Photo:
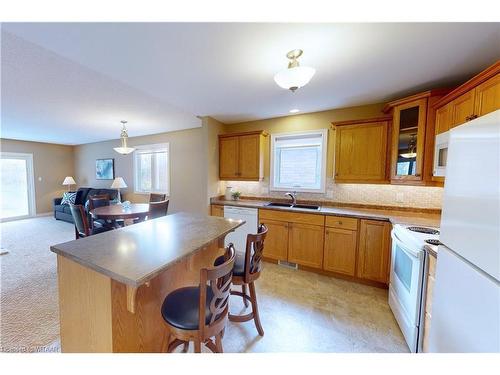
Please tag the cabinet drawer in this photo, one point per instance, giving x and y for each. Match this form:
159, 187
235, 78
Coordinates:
342, 222
291, 217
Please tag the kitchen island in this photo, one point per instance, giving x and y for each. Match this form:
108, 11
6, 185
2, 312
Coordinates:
112, 285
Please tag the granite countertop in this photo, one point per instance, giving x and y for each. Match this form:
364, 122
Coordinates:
393, 215
137, 253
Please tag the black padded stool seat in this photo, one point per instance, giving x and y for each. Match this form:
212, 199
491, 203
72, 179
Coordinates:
181, 307
239, 264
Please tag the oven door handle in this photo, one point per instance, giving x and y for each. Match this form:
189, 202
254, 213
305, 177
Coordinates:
409, 252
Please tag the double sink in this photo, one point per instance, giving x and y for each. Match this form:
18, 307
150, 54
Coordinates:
289, 205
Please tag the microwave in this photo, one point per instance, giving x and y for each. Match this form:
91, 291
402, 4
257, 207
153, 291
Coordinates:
441, 154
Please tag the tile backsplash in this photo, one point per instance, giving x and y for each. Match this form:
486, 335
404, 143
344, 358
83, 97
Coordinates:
383, 195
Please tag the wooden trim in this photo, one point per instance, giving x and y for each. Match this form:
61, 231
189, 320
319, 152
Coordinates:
483, 76
259, 132
361, 121
422, 95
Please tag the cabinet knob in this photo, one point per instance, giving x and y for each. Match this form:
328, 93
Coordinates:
336, 174
417, 175
339, 222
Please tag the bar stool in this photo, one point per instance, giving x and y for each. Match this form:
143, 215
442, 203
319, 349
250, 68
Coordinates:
247, 269
198, 313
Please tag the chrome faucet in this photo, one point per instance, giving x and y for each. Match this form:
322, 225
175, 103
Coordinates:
293, 196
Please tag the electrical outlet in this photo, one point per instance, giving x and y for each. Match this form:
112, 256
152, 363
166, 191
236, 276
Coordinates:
329, 194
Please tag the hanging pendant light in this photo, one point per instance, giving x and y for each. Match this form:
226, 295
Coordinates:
295, 76
124, 149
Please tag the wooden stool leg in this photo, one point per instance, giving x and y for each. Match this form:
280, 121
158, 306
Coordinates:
185, 347
165, 342
197, 346
244, 290
255, 309
218, 343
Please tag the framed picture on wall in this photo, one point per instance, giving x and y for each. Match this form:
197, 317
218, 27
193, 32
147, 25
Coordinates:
105, 169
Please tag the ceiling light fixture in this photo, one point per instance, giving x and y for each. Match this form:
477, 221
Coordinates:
295, 76
295, 110
124, 149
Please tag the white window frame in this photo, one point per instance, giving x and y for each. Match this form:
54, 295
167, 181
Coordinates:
30, 178
152, 147
324, 146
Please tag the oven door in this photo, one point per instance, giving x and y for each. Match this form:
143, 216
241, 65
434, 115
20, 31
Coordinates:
405, 289
441, 154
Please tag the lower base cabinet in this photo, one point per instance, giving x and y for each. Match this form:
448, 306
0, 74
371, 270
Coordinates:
306, 244
340, 251
374, 250
276, 245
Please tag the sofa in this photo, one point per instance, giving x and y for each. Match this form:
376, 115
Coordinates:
63, 212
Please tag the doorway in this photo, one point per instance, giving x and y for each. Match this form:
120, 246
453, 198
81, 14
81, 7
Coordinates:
17, 199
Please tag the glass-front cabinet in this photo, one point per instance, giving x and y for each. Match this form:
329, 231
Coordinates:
408, 141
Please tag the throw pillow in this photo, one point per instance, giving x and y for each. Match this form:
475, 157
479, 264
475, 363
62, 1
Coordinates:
69, 198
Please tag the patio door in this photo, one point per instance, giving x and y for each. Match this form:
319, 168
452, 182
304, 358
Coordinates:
17, 198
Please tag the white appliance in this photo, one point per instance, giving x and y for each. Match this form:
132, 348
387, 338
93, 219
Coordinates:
239, 236
441, 154
407, 279
466, 301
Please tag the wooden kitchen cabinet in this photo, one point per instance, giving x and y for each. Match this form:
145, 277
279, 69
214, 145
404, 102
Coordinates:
241, 156
217, 210
487, 96
276, 243
413, 134
340, 251
430, 281
361, 148
374, 250
305, 244
294, 237
462, 108
443, 119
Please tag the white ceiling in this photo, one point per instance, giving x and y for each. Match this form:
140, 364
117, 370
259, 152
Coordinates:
87, 76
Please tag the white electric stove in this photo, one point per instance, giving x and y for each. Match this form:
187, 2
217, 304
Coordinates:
407, 277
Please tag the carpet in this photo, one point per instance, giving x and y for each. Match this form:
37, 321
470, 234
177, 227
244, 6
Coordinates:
29, 311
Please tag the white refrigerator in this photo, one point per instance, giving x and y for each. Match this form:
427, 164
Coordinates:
466, 302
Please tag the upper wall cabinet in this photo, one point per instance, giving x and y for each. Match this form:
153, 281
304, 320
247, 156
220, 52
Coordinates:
241, 156
412, 145
361, 149
476, 97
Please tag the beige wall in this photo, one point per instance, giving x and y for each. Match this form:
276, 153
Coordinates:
51, 163
188, 179
387, 195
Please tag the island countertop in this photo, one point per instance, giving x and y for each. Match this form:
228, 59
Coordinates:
137, 253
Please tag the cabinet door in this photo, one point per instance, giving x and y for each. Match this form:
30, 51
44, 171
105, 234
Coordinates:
228, 157
463, 108
408, 141
374, 250
306, 244
361, 152
443, 119
340, 251
276, 243
217, 210
249, 157
487, 96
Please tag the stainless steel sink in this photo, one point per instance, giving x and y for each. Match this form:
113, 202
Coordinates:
276, 204
307, 206
288, 205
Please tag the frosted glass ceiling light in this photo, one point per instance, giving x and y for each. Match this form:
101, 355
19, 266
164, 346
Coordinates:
295, 76
124, 149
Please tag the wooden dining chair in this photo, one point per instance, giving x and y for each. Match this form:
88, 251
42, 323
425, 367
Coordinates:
82, 226
158, 209
247, 268
96, 201
198, 313
154, 197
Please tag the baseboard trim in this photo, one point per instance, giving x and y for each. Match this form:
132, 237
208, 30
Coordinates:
6, 220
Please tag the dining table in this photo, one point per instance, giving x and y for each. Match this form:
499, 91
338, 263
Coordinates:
121, 211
